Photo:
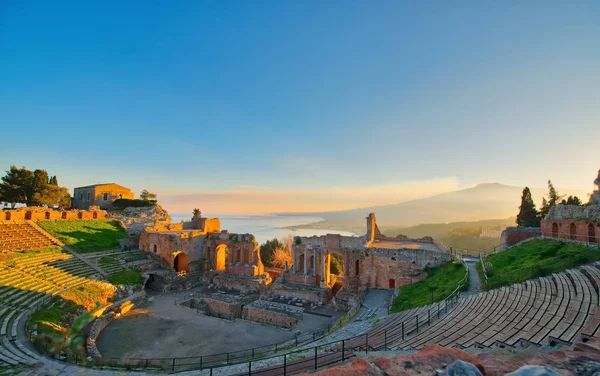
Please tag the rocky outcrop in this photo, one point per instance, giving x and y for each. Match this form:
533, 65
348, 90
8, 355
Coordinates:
581, 359
136, 220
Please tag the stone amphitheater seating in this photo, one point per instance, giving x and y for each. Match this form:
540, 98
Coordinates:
23, 235
542, 311
26, 282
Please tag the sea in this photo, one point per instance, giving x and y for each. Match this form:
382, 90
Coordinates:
267, 227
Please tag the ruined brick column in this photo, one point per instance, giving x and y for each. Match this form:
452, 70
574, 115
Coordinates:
323, 267
314, 263
295, 259
305, 263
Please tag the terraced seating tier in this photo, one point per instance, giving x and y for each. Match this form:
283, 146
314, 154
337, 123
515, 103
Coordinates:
23, 235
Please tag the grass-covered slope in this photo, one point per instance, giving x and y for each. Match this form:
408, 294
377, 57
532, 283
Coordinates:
86, 236
535, 258
441, 281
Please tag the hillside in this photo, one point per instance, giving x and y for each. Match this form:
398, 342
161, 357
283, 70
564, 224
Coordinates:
484, 201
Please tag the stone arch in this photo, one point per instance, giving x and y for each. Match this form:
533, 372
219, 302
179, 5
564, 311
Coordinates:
392, 283
64, 215
239, 256
357, 268
180, 263
221, 254
7, 216
80, 215
555, 230
95, 215
573, 231
28, 214
47, 215
591, 233
329, 257
154, 248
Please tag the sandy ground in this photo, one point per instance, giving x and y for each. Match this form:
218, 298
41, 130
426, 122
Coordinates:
175, 331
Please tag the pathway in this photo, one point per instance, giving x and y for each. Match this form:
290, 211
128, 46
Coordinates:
474, 281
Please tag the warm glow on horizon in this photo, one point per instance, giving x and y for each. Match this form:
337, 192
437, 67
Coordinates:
255, 200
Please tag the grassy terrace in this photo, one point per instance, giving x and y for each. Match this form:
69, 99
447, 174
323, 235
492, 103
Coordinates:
86, 236
536, 258
441, 281
127, 277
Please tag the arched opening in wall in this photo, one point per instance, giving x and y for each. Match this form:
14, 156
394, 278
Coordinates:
392, 284
239, 256
180, 264
357, 268
154, 248
221, 254
555, 230
28, 215
573, 231
7, 216
336, 287
591, 233
64, 215
80, 215
47, 215
95, 215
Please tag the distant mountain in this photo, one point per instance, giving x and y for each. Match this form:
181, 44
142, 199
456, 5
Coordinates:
484, 201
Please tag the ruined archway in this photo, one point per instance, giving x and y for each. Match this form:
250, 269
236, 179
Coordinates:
64, 215
47, 215
573, 231
80, 215
300, 263
555, 230
180, 263
591, 233
221, 254
95, 215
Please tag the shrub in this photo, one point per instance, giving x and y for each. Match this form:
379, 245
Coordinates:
122, 203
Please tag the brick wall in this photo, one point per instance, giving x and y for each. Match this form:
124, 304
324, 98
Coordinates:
40, 213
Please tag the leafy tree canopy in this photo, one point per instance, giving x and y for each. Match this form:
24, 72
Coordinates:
196, 213
32, 188
145, 195
267, 251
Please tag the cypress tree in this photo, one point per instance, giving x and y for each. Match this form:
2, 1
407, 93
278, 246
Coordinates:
528, 214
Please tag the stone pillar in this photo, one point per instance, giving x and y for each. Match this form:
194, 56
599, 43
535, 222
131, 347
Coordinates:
323, 267
314, 263
305, 262
295, 259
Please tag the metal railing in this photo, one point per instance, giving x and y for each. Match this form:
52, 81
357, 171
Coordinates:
255, 361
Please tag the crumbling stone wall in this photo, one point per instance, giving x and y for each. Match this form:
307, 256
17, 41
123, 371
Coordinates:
38, 213
365, 262
272, 313
513, 235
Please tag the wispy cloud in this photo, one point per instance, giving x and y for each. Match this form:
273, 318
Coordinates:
251, 199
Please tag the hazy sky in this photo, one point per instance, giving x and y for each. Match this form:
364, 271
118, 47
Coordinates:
252, 106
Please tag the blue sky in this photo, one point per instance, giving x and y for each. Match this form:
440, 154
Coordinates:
346, 101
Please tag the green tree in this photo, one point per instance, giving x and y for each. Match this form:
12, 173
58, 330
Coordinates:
267, 251
196, 213
145, 195
13, 188
552, 200
336, 264
528, 215
21, 185
573, 200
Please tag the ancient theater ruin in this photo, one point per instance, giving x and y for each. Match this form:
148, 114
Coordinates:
370, 261
199, 247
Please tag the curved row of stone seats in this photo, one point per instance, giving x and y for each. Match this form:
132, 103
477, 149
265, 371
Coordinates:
28, 281
23, 236
554, 309
592, 329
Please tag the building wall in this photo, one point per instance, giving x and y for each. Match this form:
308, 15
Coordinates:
561, 229
35, 213
83, 197
513, 235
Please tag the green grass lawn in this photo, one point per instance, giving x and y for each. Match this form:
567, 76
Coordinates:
441, 281
535, 258
127, 277
86, 236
